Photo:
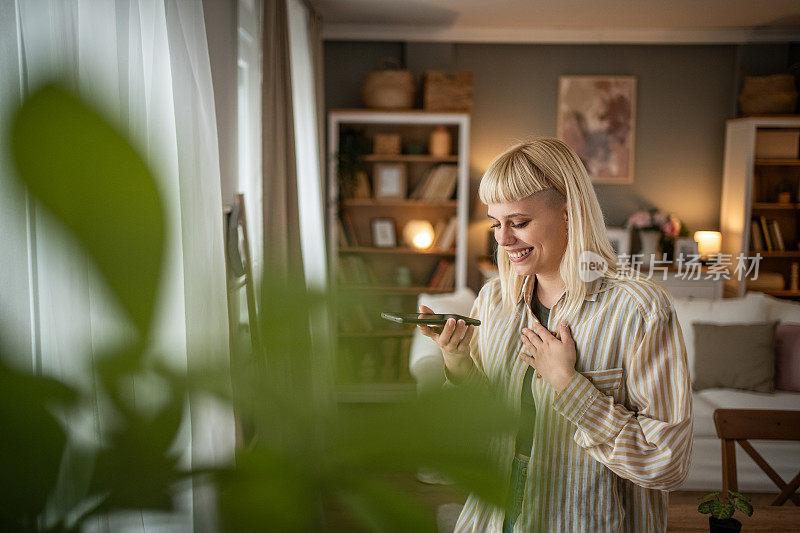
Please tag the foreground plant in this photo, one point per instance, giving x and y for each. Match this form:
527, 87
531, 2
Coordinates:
302, 455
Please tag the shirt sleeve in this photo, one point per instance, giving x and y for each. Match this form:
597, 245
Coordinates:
652, 445
477, 374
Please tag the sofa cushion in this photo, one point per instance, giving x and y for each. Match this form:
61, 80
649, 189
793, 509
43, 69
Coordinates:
787, 357
777, 308
737, 356
705, 402
750, 309
741, 399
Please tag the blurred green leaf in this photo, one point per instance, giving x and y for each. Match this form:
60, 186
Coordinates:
704, 507
92, 180
31, 447
379, 507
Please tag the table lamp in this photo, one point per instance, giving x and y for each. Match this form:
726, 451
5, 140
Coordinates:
708, 243
418, 234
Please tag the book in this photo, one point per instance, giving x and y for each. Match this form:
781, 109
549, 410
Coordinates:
438, 229
776, 235
756, 239
341, 236
449, 234
443, 183
363, 189
429, 276
448, 277
765, 230
349, 230
344, 273
416, 194
362, 273
441, 266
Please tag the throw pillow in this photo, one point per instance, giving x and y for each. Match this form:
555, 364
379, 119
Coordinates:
787, 357
750, 309
734, 356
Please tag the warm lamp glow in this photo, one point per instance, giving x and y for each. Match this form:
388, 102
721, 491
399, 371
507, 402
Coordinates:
708, 243
418, 233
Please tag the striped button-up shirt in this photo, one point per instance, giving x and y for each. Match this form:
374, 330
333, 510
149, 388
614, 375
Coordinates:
608, 447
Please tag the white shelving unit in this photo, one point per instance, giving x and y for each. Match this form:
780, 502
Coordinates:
357, 117
412, 125
747, 188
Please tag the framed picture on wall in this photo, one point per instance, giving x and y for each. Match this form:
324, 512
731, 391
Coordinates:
597, 118
390, 180
620, 240
384, 234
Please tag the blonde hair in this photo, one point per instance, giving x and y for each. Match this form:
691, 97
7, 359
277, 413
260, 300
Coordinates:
537, 165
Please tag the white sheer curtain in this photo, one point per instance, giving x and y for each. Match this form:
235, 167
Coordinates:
146, 64
309, 180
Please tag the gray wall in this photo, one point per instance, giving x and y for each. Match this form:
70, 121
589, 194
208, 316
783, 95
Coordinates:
685, 93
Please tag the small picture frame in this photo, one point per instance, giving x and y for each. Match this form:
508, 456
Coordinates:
620, 240
687, 247
390, 180
384, 234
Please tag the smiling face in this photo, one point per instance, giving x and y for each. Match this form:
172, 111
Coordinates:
532, 231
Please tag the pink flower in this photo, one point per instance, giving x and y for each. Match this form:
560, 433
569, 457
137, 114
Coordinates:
660, 218
640, 219
671, 227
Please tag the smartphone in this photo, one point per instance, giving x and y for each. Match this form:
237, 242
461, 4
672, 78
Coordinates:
429, 319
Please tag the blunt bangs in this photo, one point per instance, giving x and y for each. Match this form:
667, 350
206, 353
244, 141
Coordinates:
512, 176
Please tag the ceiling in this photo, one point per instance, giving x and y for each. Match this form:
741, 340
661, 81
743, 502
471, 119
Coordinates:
574, 21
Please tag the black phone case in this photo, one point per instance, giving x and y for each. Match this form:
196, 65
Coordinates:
412, 318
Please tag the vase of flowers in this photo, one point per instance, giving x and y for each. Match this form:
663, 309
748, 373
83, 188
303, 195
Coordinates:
657, 230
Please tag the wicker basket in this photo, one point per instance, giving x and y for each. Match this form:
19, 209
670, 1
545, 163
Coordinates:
764, 95
445, 92
389, 88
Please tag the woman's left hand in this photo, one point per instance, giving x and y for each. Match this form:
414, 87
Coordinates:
551, 357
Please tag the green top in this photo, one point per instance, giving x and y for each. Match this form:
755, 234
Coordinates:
527, 407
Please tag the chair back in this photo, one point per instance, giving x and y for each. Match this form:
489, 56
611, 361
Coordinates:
741, 425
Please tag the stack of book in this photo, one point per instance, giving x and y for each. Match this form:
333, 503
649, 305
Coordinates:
444, 234
765, 235
355, 319
441, 276
354, 270
438, 184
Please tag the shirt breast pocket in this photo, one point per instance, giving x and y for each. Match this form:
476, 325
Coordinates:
608, 381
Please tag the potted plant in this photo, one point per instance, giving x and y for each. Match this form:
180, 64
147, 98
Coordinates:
721, 511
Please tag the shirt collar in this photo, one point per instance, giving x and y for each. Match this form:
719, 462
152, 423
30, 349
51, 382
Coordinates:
529, 285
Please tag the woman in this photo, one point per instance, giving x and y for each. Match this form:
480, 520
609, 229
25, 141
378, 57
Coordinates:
594, 362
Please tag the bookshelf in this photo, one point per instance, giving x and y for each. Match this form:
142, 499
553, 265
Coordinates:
753, 217
371, 274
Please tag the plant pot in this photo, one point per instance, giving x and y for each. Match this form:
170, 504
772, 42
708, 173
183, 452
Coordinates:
729, 525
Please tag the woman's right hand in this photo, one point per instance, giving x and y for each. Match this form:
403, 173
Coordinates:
453, 339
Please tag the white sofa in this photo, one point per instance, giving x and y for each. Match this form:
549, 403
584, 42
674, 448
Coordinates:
706, 472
